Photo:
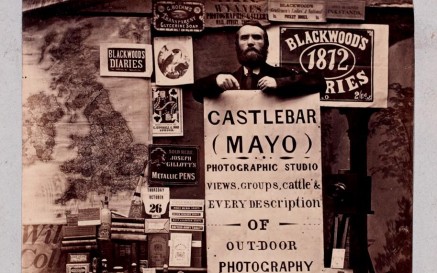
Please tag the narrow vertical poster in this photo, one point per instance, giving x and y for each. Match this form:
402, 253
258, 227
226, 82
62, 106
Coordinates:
167, 111
263, 199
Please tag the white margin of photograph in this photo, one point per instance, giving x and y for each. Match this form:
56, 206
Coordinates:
425, 149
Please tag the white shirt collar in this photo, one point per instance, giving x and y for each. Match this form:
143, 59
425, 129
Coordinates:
254, 71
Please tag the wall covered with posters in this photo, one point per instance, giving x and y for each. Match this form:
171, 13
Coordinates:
84, 132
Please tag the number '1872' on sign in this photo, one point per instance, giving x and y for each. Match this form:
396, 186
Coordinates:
343, 56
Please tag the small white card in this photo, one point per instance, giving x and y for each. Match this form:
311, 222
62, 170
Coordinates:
180, 249
187, 204
148, 270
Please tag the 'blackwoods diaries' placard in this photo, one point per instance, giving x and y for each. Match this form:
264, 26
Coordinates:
263, 199
353, 60
126, 60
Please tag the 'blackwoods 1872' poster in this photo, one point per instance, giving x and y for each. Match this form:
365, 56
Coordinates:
263, 183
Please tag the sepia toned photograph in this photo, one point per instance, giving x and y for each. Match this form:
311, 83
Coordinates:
217, 136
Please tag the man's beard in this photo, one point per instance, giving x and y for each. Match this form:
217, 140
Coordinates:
252, 57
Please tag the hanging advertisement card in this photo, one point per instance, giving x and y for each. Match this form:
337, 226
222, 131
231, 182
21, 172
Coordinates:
188, 221
187, 204
173, 60
180, 249
345, 9
156, 200
187, 214
233, 13
173, 164
158, 249
126, 60
178, 16
183, 214
263, 199
352, 58
297, 10
167, 111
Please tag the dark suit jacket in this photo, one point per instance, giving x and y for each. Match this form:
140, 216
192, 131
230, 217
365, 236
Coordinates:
290, 83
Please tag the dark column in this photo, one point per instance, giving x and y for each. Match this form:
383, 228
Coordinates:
358, 131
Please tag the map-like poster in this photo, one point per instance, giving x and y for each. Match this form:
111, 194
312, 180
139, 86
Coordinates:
81, 132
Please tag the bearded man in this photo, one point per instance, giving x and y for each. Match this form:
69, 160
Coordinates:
252, 42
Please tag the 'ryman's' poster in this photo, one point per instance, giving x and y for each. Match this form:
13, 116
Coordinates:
263, 183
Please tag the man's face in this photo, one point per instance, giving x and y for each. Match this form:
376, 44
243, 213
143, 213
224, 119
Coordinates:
251, 48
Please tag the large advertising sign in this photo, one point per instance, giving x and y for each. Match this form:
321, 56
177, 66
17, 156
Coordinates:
263, 199
353, 60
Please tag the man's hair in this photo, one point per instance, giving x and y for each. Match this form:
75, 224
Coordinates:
255, 24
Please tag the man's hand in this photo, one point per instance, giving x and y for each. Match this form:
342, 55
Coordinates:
227, 82
267, 82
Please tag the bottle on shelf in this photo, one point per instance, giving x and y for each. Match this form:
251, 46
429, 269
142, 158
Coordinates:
104, 266
133, 268
94, 265
105, 218
137, 207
